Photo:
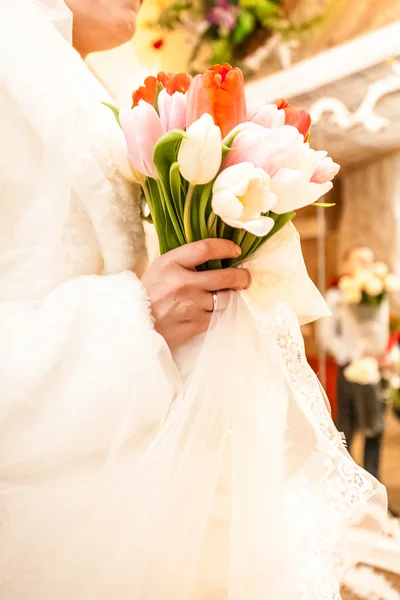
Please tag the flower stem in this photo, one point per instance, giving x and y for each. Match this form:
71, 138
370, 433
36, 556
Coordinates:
239, 236
187, 214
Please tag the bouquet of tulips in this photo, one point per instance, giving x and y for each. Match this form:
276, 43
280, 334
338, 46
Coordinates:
369, 286
209, 168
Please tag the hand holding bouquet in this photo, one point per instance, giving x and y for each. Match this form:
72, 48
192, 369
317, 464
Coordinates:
208, 169
369, 286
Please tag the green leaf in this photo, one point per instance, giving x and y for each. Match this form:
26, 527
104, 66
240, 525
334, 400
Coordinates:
245, 25
165, 155
157, 212
324, 204
227, 146
172, 232
115, 111
175, 184
205, 201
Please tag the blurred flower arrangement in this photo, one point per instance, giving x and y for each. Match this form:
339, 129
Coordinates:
369, 286
242, 31
364, 371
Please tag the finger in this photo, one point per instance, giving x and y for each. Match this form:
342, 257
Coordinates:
222, 301
197, 253
224, 279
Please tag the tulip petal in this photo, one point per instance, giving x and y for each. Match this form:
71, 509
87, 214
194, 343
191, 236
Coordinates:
325, 170
219, 92
294, 190
226, 205
258, 227
142, 129
128, 120
119, 153
172, 110
200, 154
269, 116
236, 178
177, 117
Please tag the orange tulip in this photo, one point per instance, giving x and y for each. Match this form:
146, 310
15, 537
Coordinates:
220, 93
297, 117
172, 82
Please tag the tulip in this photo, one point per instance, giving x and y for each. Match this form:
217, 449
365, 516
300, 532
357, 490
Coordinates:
392, 283
292, 183
220, 93
326, 169
200, 154
269, 116
353, 296
142, 128
241, 194
297, 117
290, 162
364, 371
348, 283
172, 109
172, 82
351, 288
380, 269
265, 148
119, 153
373, 286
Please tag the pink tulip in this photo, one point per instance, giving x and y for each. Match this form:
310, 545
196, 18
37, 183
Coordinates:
172, 109
265, 148
291, 164
326, 169
269, 116
142, 128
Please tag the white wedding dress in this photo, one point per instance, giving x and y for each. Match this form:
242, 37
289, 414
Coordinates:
126, 473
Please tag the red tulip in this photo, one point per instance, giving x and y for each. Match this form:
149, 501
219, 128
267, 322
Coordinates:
297, 117
172, 82
220, 93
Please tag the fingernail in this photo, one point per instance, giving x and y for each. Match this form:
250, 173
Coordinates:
238, 251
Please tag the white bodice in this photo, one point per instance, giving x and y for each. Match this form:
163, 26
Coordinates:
88, 224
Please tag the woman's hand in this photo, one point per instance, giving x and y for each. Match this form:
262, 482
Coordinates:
181, 297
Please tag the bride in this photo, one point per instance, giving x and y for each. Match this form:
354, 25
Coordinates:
139, 460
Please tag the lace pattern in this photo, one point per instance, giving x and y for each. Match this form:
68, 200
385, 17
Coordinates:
330, 489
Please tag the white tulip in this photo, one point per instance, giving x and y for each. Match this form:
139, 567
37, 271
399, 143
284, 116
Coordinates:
200, 154
395, 382
362, 276
392, 283
380, 269
364, 371
119, 154
351, 289
292, 183
241, 194
373, 286
347, 282
353, 295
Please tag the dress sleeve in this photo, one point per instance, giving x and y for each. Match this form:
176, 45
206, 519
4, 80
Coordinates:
77, 365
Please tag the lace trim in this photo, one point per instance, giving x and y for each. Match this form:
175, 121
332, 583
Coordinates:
318, 508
